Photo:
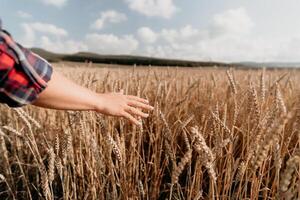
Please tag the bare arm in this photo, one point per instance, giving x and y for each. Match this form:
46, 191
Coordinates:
64, 94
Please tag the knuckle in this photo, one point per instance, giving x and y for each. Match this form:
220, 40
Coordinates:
129, 109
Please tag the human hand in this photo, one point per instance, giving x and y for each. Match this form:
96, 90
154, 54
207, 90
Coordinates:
120, 105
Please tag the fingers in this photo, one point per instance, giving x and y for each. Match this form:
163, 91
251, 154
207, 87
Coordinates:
131, 118
135, 98
140, 105
136, 111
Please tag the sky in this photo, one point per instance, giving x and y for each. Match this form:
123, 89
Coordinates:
202, 30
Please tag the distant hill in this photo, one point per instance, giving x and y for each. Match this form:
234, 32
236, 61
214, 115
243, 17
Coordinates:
270, 64
120, 59
51, 57
143, 60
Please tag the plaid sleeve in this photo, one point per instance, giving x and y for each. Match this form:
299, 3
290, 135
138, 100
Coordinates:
23, 74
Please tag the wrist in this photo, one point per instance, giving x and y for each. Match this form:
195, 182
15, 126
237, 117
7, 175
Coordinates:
98, 102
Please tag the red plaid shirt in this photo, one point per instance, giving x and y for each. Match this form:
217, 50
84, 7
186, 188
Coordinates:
23, 74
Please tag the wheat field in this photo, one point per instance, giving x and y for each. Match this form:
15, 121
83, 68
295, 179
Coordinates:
215, 133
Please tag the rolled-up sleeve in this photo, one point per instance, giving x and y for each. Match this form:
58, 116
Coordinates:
23, 74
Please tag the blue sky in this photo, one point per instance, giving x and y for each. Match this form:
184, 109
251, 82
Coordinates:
219, 30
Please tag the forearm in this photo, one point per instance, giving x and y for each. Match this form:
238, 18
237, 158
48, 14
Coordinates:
62, 93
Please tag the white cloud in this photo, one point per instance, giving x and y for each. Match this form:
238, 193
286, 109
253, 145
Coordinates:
147, 35
289, 50
47, 29
56, 39
203, 47
186, 33
50, 37
153, 8
23, 14
57, 3
62, 46
109, 16
233, 21
220, 41
28, 36
111, 44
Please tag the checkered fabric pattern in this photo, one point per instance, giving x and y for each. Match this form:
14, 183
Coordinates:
23, 74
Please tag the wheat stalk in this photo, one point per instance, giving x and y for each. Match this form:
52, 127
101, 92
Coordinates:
180, 167
114, 147
279, 100
21, 112
202, 148
51, 164
262, 86
232, 82
286, 177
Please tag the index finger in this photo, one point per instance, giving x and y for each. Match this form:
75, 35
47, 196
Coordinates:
140, 105
131, 97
